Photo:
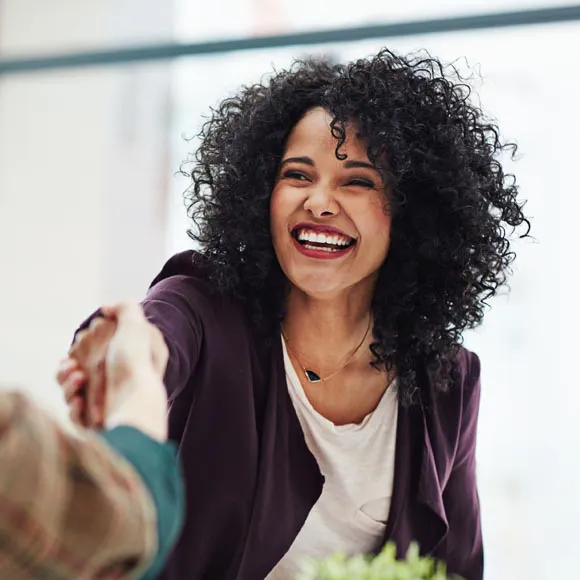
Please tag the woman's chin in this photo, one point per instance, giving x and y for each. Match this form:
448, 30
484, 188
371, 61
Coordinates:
319, 286
325, 284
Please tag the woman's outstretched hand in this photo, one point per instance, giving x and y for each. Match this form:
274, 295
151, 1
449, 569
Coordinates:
114, 372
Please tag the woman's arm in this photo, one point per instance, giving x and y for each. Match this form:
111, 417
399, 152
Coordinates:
171, 305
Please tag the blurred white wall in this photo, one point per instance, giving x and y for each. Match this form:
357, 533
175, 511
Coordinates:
83, 171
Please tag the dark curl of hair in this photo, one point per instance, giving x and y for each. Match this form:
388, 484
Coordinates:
451, 202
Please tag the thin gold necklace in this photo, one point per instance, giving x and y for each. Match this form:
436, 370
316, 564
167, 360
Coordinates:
313, 376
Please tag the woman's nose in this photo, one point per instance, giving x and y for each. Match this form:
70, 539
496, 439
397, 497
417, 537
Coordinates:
321, 202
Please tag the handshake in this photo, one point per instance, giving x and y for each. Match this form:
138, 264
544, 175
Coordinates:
113, 374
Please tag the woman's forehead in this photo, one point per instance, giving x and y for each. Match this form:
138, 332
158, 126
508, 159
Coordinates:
313, 133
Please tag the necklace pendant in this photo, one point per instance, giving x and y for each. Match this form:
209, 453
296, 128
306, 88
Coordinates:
312, 376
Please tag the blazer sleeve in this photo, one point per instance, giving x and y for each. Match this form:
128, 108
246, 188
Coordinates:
464, 545
172, 305
71, 507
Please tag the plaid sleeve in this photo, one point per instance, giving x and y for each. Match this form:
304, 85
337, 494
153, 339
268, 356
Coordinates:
69, 506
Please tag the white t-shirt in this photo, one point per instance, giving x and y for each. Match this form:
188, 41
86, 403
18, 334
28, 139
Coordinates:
358, 463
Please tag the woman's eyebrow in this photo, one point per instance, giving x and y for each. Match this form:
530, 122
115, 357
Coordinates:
349, 164
305, 160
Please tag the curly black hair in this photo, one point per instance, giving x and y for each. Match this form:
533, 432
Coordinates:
453, 207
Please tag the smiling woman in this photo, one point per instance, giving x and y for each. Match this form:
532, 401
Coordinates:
352, 220
334, 209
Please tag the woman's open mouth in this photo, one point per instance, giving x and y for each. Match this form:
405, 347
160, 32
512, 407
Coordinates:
321, 242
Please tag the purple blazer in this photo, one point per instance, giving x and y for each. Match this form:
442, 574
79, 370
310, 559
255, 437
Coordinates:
250, 478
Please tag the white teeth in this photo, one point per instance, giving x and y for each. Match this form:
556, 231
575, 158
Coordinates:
305, 235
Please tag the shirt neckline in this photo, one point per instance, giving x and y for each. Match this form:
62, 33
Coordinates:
367, 423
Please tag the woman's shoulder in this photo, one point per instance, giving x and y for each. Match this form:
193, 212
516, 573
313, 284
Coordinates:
188, 266
185, 274
184, 283
447, 406
460, 400
468, 367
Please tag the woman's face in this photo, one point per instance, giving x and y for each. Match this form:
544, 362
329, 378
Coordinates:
329, 220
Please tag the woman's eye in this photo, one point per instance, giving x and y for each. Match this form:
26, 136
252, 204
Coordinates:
295, 175
361, 183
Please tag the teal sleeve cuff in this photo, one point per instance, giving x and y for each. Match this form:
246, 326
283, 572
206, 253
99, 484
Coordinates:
159, 468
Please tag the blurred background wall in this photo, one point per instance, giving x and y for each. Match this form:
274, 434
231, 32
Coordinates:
91, 205
84, 172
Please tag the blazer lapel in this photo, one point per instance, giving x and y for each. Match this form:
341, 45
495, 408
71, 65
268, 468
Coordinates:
289, 481
417, 509
432, 526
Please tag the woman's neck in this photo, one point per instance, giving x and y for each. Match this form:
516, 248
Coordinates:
325, 330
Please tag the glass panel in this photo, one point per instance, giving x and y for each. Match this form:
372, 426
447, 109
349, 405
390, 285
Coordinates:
262, 17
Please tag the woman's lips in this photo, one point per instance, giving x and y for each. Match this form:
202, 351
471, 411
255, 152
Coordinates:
321, 253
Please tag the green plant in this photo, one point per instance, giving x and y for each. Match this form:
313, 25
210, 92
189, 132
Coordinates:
384, 566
